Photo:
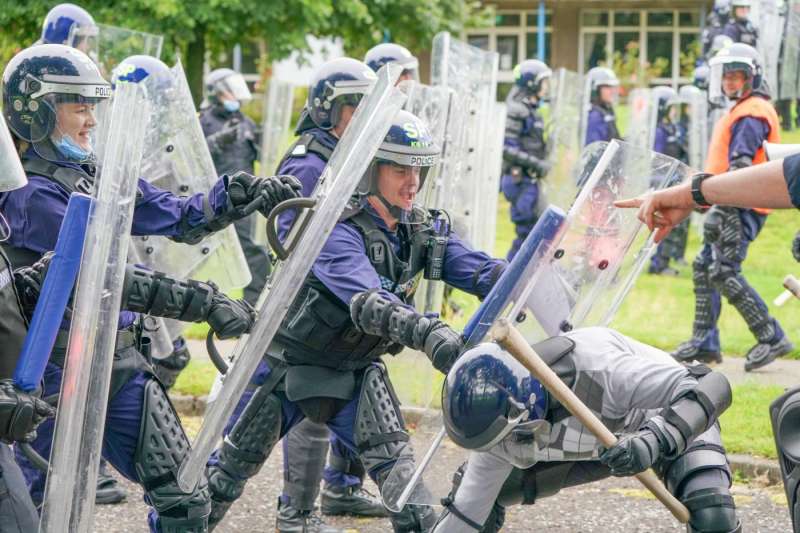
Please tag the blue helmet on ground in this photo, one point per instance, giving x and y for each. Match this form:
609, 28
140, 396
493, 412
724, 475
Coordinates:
408, 143
42, 76
384, 53
68, 24
531, 76
486, 395
335, 84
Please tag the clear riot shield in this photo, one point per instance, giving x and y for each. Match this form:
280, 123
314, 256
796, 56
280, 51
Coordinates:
643, 118
177, 159
80, 423
694, 111
563, 138
12, 176
337, 183
431, 104
276, 136
492, 169
790, 54
769, 17
471, 74
578, 276
115, 44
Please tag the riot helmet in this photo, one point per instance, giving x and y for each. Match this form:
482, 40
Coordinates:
741, 9
397, 172
53, 98
227, 88
722, 8
738, 57
70, 25
533, 78
335, 84
664, 98
384, 53
600, 77
700, 77
487, 396
719, 42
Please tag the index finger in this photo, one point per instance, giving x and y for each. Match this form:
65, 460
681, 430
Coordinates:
629, 202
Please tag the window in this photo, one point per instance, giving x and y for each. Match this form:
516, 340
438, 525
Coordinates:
515, 37
664, 39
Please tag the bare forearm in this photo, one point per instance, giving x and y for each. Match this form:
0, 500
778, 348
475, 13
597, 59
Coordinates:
757, 186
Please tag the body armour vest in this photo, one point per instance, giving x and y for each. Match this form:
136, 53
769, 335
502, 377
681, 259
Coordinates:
318, 330
13, 325
70, 179
524, 122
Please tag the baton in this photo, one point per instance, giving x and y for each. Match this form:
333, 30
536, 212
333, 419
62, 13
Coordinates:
514, 343
55, 293
792, 285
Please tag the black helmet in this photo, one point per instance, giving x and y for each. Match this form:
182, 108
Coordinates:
408, 143
530, 76
336, 83
40, 78
738, 57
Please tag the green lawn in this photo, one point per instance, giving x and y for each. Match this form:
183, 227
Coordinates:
745, 425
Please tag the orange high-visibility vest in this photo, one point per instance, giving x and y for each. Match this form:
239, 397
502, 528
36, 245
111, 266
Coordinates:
753, 106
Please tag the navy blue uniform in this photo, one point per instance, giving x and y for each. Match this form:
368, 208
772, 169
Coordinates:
601, 124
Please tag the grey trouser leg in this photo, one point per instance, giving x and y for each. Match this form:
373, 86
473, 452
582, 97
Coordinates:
305, 448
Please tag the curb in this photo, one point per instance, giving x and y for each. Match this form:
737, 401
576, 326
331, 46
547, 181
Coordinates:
749, 466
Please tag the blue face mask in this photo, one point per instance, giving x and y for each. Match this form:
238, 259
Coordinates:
71, 150
231, 106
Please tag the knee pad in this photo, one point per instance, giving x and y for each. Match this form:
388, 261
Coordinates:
380, 432
712, 510
160, 451
698, 457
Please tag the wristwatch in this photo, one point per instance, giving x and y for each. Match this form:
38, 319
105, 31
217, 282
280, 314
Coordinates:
697, 194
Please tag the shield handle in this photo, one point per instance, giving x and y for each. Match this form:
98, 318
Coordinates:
297, 229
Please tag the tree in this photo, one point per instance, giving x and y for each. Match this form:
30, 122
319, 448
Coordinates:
192, 29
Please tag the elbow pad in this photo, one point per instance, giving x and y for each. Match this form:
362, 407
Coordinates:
692, 413
155, 293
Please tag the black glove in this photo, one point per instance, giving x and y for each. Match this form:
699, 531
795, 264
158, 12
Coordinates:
28, 282
20, 412
223, 138
168, 368
632, 454
243, 188
796, 247
230, 318
542, 168
443, 345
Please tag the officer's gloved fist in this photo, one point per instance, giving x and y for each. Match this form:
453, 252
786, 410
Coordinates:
230, 318
20, 412
632, 454
244, 188
543, 168
796, 247
443, 345
29, 280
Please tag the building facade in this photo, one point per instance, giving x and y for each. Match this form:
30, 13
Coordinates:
661, 36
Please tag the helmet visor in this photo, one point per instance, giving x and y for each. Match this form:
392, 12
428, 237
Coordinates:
67, 129
86, 39
237, 87
11, 174
727, 65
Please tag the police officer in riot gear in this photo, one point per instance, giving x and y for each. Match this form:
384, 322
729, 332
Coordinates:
715, 25
739, 27
354, 308
527, 446
736, 73
20, 413
603, 87
335, 90
234, 141
381, 54
524, 148
50, 97
669, 140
